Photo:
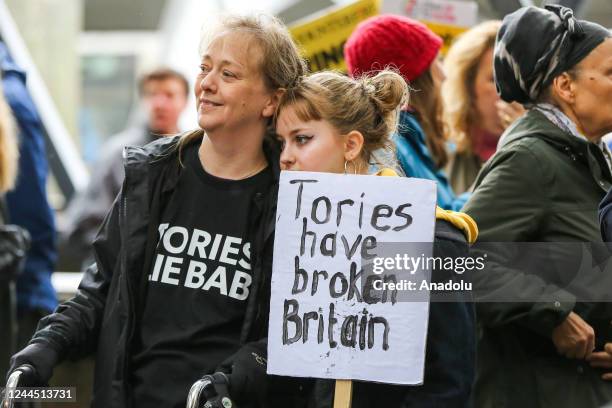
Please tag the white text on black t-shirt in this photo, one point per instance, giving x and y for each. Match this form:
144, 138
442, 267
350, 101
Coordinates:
196, 247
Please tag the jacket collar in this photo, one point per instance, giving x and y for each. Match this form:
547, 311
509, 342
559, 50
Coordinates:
535, 123
165, 149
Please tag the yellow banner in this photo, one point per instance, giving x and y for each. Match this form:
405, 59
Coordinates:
322, 36
448, 32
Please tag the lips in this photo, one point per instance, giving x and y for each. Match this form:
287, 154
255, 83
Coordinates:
208, 103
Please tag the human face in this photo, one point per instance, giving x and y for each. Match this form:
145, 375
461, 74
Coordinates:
592, 92
230, 92
485, 94
164, 101
309, 146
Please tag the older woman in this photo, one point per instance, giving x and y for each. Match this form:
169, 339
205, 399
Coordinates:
473, 112
180, 287
544, 185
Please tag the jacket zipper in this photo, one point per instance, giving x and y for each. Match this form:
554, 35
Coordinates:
130, 299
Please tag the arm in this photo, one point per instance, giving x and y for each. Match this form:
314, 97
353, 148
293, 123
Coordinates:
27, 203
73, 329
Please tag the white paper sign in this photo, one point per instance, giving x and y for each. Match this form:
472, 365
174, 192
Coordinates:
454, 12
321, 325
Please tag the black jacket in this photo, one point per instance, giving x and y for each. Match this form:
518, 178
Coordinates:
101, 317
450, 348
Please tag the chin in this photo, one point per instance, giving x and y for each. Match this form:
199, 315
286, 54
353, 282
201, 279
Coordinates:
203, 122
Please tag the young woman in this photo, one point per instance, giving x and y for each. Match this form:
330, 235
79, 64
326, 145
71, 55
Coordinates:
474, 114
180, 286
332, 123
413, 49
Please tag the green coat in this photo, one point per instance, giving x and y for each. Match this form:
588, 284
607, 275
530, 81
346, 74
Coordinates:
543, 185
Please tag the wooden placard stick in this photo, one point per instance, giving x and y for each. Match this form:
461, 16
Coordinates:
343, 396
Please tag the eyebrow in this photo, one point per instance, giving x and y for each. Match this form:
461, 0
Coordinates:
297, 130
224, 61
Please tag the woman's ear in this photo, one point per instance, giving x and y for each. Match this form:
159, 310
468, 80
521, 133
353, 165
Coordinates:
563, 87
270, 107
353, 145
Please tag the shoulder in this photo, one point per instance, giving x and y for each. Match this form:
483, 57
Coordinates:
159, 150
449, 241
533, 144
451, 225
448, 232
529, 159
526, 147
409, 128
532, 132
387, 172
526, 152
455, 226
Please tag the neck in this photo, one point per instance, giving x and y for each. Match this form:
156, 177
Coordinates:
231, 159
569, 112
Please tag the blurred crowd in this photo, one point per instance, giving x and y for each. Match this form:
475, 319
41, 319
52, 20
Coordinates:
510, 124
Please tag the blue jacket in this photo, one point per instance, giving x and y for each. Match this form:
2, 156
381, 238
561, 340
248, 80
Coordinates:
27, 203
416, 161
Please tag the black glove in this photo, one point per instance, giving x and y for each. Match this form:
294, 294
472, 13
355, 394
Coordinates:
215, 393
247, 371
14, 243
42, 358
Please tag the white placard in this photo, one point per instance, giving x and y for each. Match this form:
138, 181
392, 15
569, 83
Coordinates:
331, 331
453, 12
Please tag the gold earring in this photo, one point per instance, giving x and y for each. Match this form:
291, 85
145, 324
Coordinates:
346, 163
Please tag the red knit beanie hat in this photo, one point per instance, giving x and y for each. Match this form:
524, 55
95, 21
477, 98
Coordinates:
389, 40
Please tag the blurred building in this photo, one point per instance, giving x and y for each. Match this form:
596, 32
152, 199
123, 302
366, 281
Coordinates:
89, 53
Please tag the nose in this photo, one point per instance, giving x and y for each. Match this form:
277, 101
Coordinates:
287, 158
208, 83
159, 101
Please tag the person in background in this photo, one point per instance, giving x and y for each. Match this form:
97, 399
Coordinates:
474, 115
543, 185
412, 48
331, 123
164, 305
163, 96
9, 155
27, 203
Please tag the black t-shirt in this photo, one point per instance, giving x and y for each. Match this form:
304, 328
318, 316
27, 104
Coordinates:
198, 286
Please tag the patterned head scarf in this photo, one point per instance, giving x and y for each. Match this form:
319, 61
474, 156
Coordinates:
534, 45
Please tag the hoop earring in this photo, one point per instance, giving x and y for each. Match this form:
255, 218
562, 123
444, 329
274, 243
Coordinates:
346, 163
